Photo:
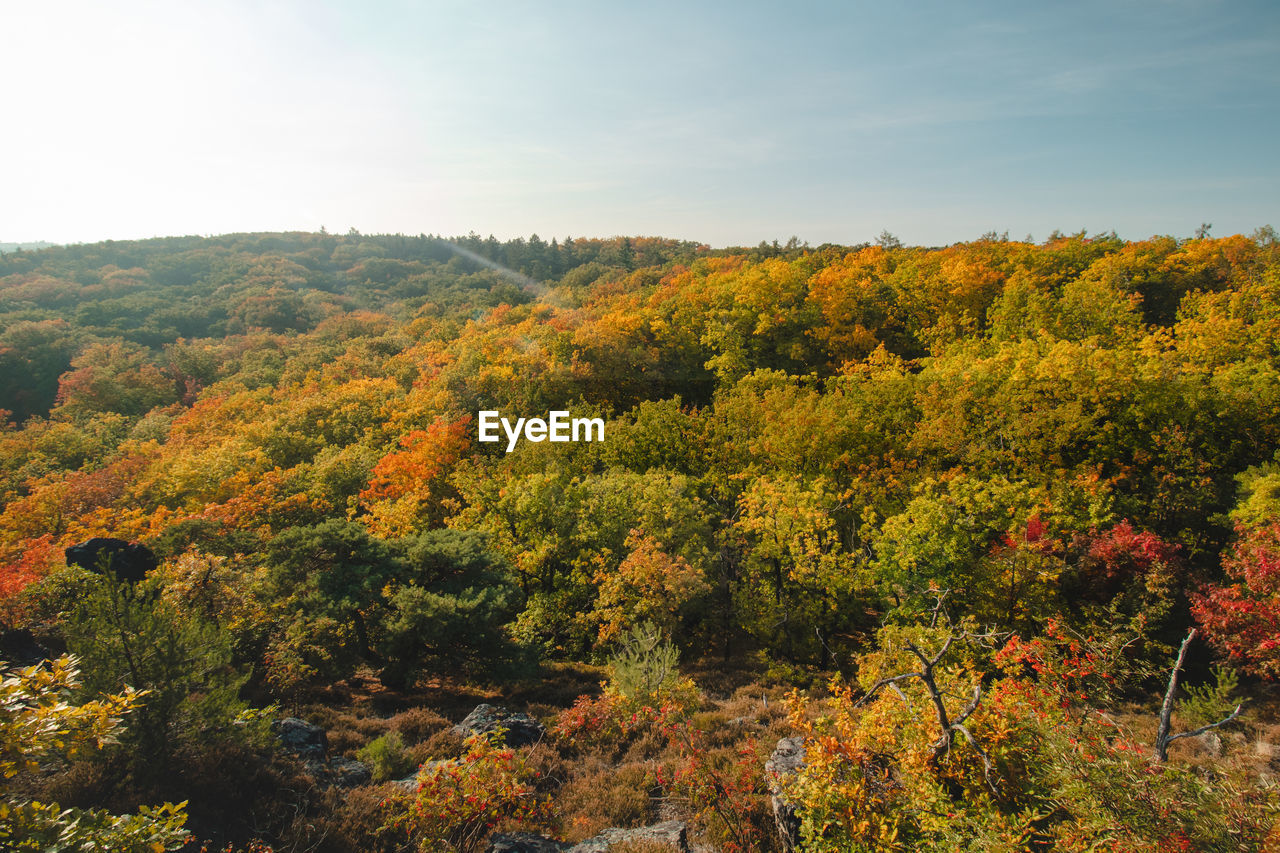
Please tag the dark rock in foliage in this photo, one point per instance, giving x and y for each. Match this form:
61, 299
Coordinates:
524, 842
671, 833
786, 760
521, 729
348, 773
19, 648
301, 737
129, 561
338, 772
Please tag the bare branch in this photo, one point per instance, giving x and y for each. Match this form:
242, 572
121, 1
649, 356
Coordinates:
987, 767
885, 682
971, 707
1228, 718
1163, 736
905, 701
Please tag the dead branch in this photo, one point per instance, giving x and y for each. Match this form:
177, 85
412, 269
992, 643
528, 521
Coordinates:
1163, 735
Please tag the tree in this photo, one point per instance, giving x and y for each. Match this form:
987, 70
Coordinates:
128, 635
1242, 618
448, 608
113, 377
325, 581
649, 585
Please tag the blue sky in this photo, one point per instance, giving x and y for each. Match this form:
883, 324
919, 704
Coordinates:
728, 123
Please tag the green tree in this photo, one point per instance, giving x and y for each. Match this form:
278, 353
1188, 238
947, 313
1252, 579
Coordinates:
130, 636
448, 608
325, 583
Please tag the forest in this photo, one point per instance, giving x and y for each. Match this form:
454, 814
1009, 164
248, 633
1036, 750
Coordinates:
986, 537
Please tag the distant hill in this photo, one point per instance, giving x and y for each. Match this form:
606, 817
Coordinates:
15, 247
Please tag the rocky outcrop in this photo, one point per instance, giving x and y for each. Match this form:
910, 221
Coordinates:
128, 562
524, 842
348, 773
521, 729
786, 760
299, 736
310, 744
671, 833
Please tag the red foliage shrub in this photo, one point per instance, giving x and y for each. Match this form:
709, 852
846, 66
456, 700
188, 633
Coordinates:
1243, 619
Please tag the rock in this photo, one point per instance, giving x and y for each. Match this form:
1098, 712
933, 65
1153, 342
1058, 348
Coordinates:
521, 729
672, 833
1211, 744
301, 737
129, 562
19, 648
524, 842
410, 782
348, 773
786, 760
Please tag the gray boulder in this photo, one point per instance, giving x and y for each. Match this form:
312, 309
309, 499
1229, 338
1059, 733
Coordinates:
786, 761
672, 833
524, 842
410, 782
348, 773
521, 729
299, 736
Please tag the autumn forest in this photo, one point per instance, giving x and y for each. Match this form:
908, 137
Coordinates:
987, 534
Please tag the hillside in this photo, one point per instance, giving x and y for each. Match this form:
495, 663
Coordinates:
946, 513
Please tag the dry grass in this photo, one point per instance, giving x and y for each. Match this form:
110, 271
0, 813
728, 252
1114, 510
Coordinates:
417, 724
600, 795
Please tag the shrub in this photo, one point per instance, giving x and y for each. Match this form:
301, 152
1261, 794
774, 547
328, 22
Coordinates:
126, 634
459, 801
386, 757
1039, 767
1241, 618
644, 671
724, 788
37, 725
418, 724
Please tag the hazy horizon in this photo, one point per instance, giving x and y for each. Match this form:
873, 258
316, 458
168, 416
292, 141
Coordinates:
723, 123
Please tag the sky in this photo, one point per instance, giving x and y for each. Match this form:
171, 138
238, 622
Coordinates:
723, 122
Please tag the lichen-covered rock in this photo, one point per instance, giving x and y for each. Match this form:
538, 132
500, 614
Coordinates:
521, 729
524, 842
672, 833
301, 737
348, 773
786, 760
